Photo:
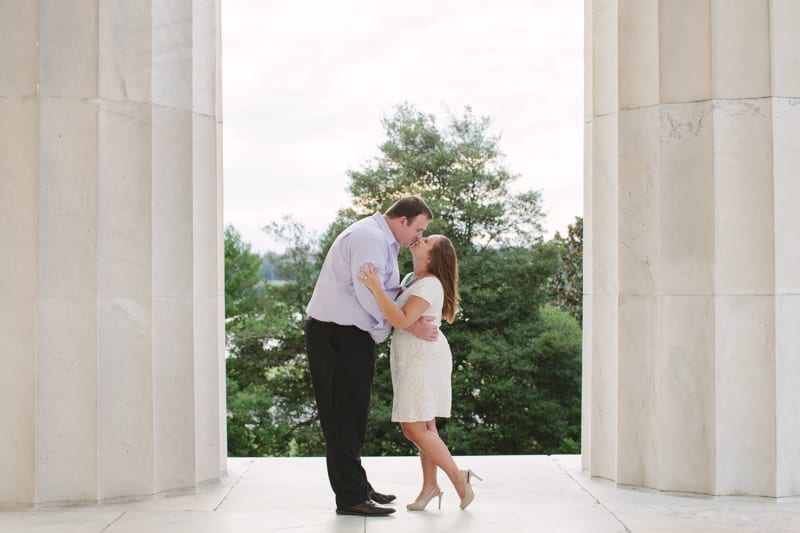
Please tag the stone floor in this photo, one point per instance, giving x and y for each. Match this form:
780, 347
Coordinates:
520, 493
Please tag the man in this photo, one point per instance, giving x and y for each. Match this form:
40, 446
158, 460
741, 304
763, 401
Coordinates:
344, 325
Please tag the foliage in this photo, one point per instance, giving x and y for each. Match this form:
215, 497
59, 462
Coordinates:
458, 170
565, 287
271, 410
516, 360
242, 280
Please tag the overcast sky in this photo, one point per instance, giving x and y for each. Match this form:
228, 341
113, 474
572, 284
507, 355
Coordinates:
305, 84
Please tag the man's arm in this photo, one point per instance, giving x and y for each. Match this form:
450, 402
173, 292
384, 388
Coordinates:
369, 251
424, 329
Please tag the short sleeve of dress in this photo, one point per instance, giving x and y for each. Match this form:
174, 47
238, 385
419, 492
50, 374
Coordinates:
429, 289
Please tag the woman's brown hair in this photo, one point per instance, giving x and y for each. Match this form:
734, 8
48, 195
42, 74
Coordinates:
444, 265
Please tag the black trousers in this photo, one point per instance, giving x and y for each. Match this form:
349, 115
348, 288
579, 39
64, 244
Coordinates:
342, 363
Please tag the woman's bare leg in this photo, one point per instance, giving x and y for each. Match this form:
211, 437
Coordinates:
433, 451
429, 480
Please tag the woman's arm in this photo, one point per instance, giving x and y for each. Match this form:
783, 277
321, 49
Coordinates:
399, 318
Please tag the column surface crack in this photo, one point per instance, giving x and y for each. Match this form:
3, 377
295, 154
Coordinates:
591, 495
225, 497
113, 521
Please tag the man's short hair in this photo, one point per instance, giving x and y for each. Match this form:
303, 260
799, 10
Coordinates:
409, 206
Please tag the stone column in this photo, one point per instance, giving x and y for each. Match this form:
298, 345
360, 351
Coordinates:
111, 276
692, 271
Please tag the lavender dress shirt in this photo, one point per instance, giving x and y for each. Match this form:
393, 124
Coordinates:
338, 295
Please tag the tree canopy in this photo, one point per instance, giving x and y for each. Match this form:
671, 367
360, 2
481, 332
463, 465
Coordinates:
458, 170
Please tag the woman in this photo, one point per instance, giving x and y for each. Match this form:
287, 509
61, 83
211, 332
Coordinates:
421, 369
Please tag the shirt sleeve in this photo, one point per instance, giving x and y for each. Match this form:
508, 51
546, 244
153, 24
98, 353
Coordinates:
374, 252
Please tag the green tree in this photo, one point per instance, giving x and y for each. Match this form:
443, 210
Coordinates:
271, 409
565, 287
459, 170
242, 281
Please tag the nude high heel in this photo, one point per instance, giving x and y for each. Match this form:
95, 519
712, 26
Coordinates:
469, 494
421, 503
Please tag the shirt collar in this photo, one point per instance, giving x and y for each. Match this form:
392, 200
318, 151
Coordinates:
386, 230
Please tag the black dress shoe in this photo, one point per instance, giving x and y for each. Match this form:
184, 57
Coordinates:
367, 508
377, 497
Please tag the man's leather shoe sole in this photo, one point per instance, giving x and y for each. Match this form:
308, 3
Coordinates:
377, 497
367, 508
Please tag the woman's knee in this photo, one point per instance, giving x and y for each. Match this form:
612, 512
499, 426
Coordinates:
413, 430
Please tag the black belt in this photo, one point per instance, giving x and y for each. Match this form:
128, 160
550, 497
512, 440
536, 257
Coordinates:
312, 319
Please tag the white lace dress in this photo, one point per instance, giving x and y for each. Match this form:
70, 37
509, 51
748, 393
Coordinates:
421, 369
